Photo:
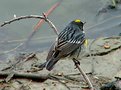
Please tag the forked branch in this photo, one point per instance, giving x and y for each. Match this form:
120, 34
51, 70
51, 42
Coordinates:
31, 16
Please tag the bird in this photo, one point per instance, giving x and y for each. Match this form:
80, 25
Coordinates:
68, 43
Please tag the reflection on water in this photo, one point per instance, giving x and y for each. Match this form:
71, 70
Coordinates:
16, 33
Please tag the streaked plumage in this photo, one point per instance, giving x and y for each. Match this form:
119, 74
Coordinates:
69, 41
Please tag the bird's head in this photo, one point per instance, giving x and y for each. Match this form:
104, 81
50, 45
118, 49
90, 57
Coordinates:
79, 23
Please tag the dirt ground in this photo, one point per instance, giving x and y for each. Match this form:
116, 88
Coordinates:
101, 63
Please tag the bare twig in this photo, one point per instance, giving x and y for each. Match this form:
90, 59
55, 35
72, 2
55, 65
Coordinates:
34, 77
83, 74
51, 24
20, 18
28, 17
32, 16
30, 57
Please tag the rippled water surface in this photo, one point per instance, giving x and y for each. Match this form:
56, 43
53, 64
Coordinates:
106, 24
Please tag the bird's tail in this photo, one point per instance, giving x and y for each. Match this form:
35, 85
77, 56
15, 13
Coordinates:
50, 63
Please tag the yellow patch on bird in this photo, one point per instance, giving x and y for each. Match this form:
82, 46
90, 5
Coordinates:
77, 20
86, 43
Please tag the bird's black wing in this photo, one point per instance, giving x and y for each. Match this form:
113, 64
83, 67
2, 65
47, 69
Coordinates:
68, 41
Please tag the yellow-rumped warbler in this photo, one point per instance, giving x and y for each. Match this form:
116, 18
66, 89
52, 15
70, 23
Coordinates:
68, 43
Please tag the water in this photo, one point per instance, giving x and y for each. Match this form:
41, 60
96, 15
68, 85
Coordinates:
12, 35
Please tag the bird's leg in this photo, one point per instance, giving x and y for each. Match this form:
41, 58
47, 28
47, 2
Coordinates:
77, 63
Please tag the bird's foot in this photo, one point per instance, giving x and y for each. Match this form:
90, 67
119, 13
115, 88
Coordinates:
76, 62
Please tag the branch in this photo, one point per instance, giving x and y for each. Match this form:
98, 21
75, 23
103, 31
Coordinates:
33, 32
76, 62
31, 16
51, 24
20, 18
28, 17
34, 77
